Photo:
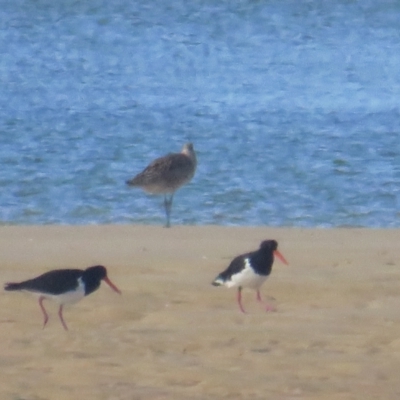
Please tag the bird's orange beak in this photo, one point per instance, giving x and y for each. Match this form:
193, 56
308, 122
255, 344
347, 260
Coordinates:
112, 286
280, 256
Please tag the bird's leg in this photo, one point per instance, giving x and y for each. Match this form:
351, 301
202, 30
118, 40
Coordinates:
46, 317
268, 307
168, 205
60, 310
239, 299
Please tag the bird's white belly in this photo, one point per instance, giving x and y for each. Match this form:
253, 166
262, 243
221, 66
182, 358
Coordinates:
70, 297
246, 278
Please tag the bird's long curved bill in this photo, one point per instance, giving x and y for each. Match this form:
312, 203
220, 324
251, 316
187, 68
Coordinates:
112, 286
280, 256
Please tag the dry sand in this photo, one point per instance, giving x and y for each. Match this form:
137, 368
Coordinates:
171, 335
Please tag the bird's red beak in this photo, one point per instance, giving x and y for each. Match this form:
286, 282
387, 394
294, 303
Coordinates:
280, 256
112, 286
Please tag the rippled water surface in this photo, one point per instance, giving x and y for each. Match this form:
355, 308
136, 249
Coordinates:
293, 108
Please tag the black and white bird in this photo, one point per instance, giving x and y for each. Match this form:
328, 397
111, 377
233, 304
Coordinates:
165, 175
65, 286
250, 270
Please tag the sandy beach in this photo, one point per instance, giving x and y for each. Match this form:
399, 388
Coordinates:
172, 335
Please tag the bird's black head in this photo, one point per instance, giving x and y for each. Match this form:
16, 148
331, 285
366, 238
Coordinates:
98, 270
93, 276
269, 245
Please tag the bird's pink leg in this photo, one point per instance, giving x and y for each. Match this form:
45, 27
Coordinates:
268, 307
46, 317
61, 317
239, 299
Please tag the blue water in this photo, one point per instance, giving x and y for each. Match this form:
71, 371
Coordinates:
293, 108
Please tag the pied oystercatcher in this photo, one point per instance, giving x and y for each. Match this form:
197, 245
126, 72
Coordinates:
165, 175
66, 286
250, 270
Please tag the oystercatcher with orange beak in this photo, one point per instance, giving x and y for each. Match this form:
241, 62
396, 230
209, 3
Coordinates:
250, 270
65, 286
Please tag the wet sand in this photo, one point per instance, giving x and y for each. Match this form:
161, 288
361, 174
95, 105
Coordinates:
171, 335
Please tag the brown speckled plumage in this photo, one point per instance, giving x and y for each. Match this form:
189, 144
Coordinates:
167, 174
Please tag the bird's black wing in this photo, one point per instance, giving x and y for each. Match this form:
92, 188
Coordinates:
53, 282
236, 265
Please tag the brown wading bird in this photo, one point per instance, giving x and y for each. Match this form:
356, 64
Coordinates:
165, 175
250, 270
65, 286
